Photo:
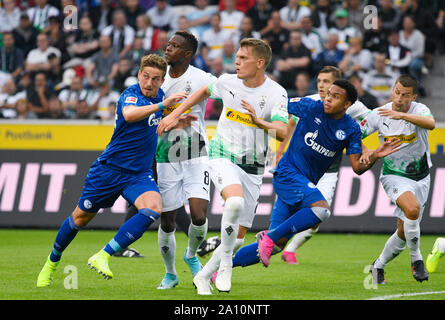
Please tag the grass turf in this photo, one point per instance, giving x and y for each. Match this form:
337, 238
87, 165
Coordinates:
331, 267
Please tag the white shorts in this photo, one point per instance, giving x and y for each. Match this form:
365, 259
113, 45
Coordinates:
180, 181
225, 173
327, 185
395, 186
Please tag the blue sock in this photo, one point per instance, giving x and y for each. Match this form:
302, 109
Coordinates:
246, 256
131, 230
66, 234
299, 221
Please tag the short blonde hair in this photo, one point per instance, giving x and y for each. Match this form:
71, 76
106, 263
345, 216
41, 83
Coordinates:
260, 48
154, 61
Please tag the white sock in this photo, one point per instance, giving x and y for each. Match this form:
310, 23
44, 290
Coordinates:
299, 239
441, 245
229, 228
393, 247
412, 236
238, 244
167, 246
212, 265
196, 235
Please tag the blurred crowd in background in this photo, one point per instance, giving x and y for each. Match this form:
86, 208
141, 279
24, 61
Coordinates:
72, 59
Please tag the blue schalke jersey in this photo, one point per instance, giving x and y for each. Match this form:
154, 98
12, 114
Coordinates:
133, 145
317, 140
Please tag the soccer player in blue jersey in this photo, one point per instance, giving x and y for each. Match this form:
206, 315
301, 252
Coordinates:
322, 133
124, 168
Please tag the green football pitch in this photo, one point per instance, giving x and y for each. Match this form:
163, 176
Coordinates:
331, 267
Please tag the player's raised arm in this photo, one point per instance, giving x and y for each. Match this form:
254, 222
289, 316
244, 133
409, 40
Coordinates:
171, 120
134, 113
388, 147
423, 121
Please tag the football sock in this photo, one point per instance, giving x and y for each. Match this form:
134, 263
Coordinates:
131, 230
299, 221
196, 235
238, 244
300, 238
213, 264
229, 228
246, 256
167, 246
393, 247
66, 234
412, 236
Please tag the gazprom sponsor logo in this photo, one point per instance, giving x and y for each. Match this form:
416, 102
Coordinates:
309, 139
153, 121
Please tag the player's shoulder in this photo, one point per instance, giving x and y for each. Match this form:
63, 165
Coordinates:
274, 88
420, 108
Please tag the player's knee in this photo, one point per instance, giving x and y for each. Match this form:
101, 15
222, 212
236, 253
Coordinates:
168, 223
233, 208
199, 220
322, 213
412, 212
81, 218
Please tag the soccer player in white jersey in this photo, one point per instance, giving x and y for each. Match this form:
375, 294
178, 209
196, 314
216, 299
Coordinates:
255, 107
405, 173
328, 182
182, 160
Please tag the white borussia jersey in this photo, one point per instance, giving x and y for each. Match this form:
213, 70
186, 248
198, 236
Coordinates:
191, 142
413, 160
237, 138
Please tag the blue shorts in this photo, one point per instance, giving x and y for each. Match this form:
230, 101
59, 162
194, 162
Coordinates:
293, 193
105, 183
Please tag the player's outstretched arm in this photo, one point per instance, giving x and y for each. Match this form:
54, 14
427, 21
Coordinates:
134, 113
277, 129
423, 121
171, 120
388, 147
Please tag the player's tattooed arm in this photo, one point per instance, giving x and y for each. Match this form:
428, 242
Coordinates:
277, 129
386, 148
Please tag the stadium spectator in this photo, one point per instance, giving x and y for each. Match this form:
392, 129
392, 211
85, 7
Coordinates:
374, 39
295, 59
399, 56
23, 111
389, 15
320, 18
440, 25
8, 99
38, 96
55, 109
277, 36
37, 59
343, 29
379, 81
231, 17
39, 15
260, 14
136, 53
101, 15
123, 72
228, 57
330, 56
292, 14
183, 24
11, 57
104, 64
356, 59
425, 23
246, 30
161, 43
355, 14
302, 86
147, 32
102, 101
213, 40
163, 16
25, 35
199, 17
9, 16
132, 10
120, 33
240, 5
311, 39
84, 111
363, 95
69, 97
414, 40
54, 74
85, 44
56, 37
